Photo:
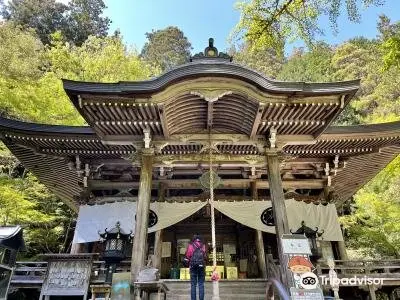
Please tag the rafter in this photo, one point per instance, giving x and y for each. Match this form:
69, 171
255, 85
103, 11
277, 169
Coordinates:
256, 122
164, 123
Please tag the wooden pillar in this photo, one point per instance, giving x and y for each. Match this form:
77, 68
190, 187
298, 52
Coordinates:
254, 191
279, 210
261, 254
157, 249
372, 294
142, 214
259, 238
342, 250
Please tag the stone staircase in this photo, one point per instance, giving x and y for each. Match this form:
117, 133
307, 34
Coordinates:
244, 289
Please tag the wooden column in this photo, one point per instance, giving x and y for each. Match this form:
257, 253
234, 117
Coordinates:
342, 250
142, 214
261, 254
279, 210
372, 294
262, 266
157, 249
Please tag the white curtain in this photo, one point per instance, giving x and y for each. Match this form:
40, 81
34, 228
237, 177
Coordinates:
172, 213
92, 219
249, 213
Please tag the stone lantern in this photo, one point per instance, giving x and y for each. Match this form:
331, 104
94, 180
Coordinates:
312, 236
116, 246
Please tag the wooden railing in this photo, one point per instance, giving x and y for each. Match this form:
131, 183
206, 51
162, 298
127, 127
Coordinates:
362, 267
29, 273
273, 270
32, 273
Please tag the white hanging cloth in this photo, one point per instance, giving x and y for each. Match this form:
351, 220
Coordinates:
249, 213
92, 219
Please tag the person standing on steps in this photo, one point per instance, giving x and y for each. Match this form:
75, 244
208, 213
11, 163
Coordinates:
195, 257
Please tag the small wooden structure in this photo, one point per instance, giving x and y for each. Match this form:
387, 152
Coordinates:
144, 142
11, 241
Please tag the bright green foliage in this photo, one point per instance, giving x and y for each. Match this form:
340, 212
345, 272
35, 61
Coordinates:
77, 21
378, 99
20, 53
391, 47
43, 217
31, 89
265, 61
98, 59
390, 36
373, 228
47, 221
311, 66
270, 23
166, 48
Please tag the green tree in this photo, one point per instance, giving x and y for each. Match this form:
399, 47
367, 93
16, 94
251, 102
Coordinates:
47, 222
30, 87
85, 19
390, 37
373, 227
166, 48
77, 20
269, 23
309, 66
265, 61
378, 99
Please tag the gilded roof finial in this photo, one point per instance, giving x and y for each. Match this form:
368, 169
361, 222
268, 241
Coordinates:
211, 52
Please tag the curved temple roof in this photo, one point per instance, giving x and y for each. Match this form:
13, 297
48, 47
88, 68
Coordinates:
242, 109
209, 67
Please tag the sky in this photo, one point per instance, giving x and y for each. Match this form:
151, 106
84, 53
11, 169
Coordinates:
200, 20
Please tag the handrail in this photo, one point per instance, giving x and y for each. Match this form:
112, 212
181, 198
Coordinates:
272, 282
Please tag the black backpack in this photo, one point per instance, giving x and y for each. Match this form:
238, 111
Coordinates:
197, 259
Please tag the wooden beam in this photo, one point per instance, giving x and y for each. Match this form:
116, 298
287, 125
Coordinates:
197, 198
163, 119
256, 122
210, 112
195, 184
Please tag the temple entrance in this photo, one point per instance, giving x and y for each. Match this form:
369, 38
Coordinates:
236, 247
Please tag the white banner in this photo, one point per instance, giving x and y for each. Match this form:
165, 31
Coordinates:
92, 219
249, 213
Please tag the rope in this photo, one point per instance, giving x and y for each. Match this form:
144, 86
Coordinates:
214, 253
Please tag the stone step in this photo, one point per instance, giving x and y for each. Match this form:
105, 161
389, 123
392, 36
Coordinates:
245, 289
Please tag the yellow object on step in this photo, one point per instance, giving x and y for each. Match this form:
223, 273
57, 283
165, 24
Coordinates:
184, 274
219, 269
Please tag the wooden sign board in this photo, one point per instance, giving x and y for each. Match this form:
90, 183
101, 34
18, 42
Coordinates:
67, 276
295, 244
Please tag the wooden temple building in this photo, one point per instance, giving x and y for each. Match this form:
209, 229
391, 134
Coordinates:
279, 159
